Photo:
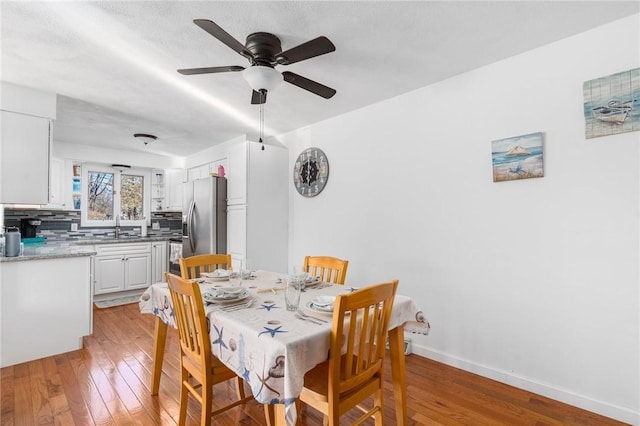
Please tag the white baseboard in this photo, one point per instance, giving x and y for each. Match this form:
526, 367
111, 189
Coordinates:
603, 408
118, 294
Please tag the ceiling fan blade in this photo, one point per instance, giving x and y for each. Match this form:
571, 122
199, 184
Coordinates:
213, 29
316, 47
310, 85
258, 98
210, 70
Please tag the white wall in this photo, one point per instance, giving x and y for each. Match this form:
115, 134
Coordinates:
533, 282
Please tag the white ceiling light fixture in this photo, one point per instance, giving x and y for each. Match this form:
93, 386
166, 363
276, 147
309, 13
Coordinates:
145, 138
120, 167
261, 78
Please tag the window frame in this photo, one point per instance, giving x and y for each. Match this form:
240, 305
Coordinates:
102, 168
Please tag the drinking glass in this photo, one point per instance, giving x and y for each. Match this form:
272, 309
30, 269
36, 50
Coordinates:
292, 293
245, 269
235, 277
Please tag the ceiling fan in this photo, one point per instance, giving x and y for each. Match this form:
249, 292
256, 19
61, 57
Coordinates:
264, 52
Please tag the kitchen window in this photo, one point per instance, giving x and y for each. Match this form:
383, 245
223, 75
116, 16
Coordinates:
110, 193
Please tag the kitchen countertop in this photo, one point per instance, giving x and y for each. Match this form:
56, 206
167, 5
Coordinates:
122, 240
73, 248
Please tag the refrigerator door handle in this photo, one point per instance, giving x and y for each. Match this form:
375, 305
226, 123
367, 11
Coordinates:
192, 207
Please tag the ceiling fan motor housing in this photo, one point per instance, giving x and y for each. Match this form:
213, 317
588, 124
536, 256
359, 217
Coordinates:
264, 47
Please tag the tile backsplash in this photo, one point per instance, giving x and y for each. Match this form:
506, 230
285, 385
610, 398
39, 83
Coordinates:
56, 224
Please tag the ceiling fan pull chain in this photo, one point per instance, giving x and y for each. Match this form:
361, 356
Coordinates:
262, 93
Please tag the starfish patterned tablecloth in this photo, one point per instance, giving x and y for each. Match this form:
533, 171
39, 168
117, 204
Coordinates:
270, 347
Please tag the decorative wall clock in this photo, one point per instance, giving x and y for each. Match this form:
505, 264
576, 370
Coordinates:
311, 172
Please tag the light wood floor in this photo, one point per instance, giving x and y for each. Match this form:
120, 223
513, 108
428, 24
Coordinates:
107, 383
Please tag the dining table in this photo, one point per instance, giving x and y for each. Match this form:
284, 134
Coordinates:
270, 347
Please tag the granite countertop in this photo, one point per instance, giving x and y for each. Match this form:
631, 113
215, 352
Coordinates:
73, 248
50, 251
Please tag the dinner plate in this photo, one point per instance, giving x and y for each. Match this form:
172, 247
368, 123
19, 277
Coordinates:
315, 308
231, 290
324, 302
222, 297
217, 275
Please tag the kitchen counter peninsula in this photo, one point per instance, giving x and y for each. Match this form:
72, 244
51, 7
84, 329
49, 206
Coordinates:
50, 251
46, 302
47, 294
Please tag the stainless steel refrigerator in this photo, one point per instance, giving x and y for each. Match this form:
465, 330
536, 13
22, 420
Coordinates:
204, 216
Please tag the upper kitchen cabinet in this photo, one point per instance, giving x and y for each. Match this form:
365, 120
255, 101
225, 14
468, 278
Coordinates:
174, 179
57, 190
237, 174
25, 145
198, 172
205, 170
257, 213
158, 190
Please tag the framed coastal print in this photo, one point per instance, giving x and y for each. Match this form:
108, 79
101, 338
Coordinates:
612, 104
517, 157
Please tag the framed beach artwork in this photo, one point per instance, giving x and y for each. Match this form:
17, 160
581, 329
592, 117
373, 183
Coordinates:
518, 157
612, 104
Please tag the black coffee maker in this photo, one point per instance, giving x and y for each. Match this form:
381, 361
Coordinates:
28, 227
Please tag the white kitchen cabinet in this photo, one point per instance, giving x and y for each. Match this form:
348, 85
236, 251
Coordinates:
237, 174
198, 172
25, 144
45, 307
158, 190
24, 172
237, 232
174, 186
158, 261
122, 267
257, 210
60, 188
205, 170
56, 189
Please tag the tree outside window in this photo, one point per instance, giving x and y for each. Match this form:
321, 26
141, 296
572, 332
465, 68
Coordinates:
100, 196
131, 197
109, 194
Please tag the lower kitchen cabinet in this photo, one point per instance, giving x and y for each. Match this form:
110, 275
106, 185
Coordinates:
122, 267
159, 261
45, 307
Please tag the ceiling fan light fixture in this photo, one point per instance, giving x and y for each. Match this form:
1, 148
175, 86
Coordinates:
261, 77
145, 138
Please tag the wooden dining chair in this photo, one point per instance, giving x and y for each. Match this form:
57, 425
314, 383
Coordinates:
193, 266
197, 363
329, 269
355, 366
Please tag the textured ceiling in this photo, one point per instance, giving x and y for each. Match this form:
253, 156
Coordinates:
113, 64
